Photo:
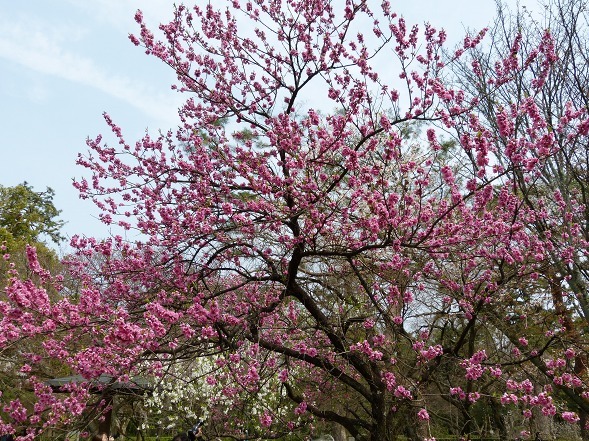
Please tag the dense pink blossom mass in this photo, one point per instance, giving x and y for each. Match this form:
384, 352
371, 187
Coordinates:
334, 219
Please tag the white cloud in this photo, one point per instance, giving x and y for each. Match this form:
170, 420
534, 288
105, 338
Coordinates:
44, 49
120, 14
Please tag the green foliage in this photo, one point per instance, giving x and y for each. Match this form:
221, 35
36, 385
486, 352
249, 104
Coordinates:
28, 216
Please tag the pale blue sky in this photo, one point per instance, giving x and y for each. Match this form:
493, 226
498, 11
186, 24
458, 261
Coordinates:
64, 62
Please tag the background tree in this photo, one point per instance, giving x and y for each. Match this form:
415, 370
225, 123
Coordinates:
27, 217
559, 186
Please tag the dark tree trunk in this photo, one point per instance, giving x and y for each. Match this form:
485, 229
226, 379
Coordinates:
499, 420
583, 421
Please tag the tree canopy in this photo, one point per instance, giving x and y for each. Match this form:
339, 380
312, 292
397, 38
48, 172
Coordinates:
353, 225
28, 216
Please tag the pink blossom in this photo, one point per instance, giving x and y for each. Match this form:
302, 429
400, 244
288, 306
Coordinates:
570, 417
423, 415
473, 397
389, 380
266, 419
283, 375
402, 392
301, 408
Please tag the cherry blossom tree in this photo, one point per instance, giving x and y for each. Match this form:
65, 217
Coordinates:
559, 186
296, 233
